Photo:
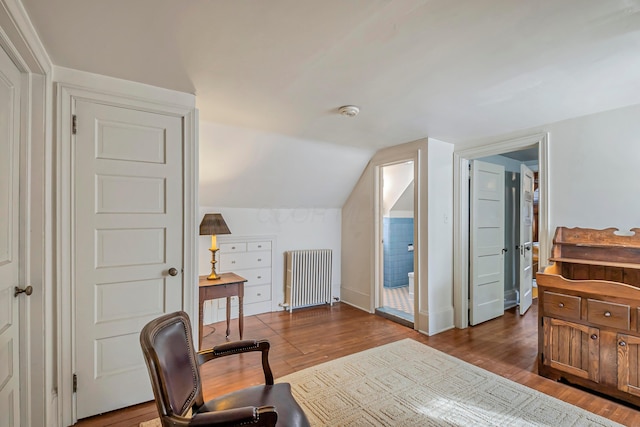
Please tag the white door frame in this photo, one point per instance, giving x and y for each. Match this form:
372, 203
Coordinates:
118, 93
379, 248
21, 43
461, 208
408, 152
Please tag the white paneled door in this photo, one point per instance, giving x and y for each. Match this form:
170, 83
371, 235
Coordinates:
526, 237
128, 239
486, 242
9, 242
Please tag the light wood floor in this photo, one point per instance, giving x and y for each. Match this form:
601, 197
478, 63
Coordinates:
506, 346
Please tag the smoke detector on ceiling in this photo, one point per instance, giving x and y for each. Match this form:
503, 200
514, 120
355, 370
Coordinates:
349, 110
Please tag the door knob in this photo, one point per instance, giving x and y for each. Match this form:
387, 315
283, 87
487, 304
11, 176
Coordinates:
28, 290
173, 271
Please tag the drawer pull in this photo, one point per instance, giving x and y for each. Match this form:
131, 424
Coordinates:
259, 277
607, 314
259, 259
594, 337
259, 295
259, 246
233, 247
622, 343
561, 305
233, 262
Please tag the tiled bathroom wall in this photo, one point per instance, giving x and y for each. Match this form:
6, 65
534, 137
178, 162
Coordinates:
398, 260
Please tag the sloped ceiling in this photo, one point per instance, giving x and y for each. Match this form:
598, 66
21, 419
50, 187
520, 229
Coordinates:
452, 70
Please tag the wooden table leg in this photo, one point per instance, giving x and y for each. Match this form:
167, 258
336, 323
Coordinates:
228, 315
240, 315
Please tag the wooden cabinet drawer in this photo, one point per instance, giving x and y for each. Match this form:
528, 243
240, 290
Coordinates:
608, 314
562, 305
258, 246
233, 247
257, 293
257, 276
237, 261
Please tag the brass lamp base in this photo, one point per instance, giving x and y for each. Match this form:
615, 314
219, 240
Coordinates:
213, 275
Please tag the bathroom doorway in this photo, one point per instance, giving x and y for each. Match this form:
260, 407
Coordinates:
397, 290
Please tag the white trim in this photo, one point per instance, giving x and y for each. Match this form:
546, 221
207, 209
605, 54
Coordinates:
27, 46
98, 84
20, 41
461, 207
112, 92
378, 221
394, 158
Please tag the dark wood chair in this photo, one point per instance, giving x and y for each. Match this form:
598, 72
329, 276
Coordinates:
174, 368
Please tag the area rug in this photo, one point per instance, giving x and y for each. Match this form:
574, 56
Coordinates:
406, 383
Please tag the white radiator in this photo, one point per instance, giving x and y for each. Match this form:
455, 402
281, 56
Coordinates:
308, 278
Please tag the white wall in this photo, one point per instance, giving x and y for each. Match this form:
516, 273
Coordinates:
244, 168
291, 228
595, 170
440, 236
395, 180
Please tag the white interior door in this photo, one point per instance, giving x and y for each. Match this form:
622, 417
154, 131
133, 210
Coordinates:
9, 242
128, 235
486, 254
526, 237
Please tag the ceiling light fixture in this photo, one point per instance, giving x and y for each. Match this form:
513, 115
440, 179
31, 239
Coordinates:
349, 110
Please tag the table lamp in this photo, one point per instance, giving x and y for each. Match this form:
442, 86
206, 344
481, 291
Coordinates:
213, 224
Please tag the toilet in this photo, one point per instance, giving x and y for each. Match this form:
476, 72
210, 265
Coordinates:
410, 283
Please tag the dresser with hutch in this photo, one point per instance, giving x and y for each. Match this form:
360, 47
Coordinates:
589, 311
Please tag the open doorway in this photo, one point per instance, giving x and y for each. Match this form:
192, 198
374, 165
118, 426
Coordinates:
501, 224
397, 290
462, 238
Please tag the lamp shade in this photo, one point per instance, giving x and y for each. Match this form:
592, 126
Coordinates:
213, 224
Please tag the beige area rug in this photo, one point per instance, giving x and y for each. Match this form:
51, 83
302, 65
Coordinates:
406, 383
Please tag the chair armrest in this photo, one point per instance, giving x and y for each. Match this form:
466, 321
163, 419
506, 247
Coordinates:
239, 347
246, 416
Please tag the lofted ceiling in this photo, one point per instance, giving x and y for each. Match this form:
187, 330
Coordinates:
454, 70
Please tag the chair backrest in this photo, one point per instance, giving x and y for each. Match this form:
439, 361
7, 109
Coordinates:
171, 359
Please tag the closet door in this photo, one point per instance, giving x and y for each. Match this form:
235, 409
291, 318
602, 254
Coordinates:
128, 234
526, 238
487, 242
9, 243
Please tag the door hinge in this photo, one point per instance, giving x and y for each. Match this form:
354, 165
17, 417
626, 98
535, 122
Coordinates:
74, 124
75, 383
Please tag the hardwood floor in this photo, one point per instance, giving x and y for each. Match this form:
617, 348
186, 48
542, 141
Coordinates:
506, 346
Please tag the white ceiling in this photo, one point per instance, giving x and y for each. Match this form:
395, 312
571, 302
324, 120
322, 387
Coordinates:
449, 69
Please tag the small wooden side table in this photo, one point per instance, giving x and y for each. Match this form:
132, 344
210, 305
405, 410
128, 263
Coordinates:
228, 285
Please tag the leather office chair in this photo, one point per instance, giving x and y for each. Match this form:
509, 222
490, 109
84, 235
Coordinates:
175, 377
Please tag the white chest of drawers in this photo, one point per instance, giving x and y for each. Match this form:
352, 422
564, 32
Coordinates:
250, 257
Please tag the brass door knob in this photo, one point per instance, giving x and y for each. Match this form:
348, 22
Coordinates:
173, 271
28, 291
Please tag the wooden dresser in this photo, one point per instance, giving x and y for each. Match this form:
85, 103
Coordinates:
589, 309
